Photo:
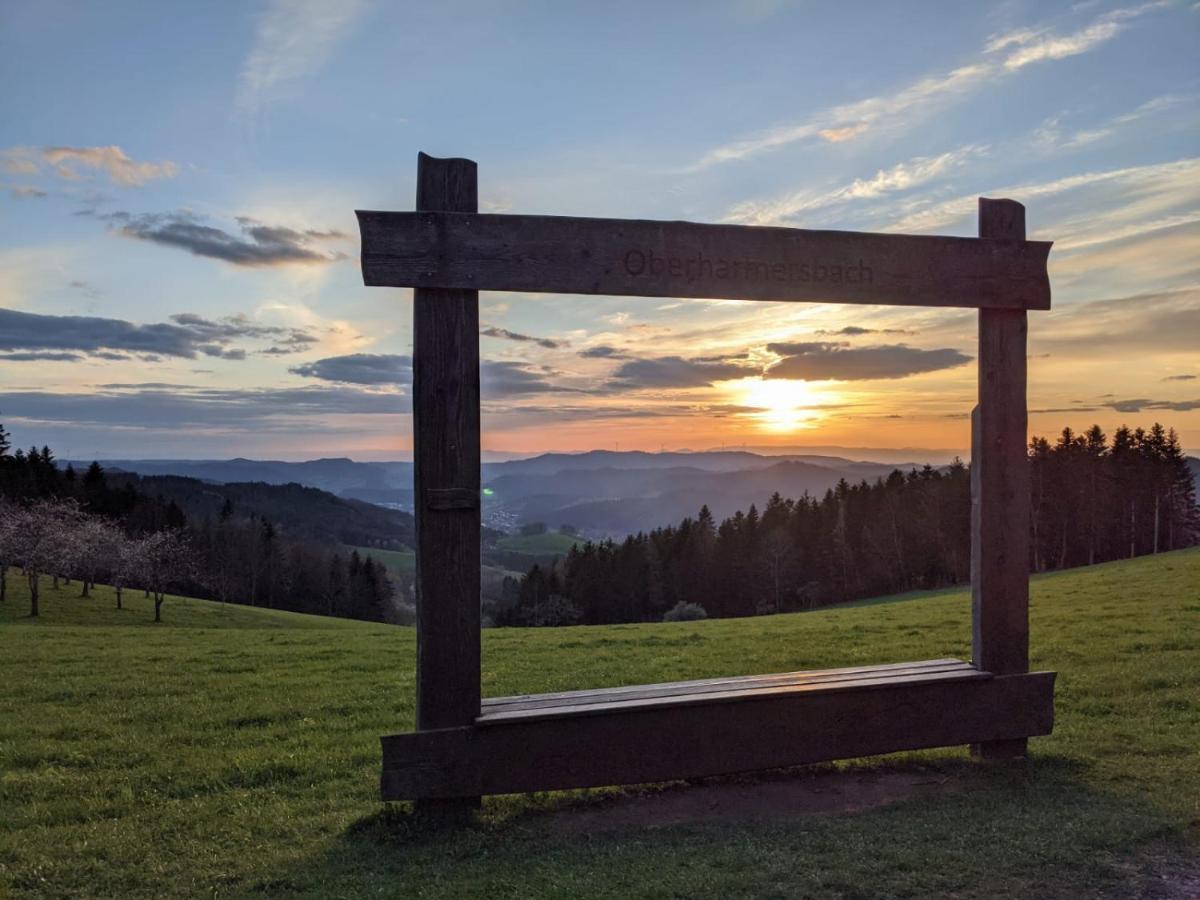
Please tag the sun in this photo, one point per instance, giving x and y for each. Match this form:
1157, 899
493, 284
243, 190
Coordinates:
783, 405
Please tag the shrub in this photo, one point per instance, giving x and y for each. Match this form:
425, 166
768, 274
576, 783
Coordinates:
685, 612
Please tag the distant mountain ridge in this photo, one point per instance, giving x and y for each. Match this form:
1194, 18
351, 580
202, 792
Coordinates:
601, 492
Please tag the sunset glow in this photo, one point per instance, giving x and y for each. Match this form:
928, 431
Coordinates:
785, 405
179, 253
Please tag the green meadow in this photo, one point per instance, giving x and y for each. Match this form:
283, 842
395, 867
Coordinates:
232, 751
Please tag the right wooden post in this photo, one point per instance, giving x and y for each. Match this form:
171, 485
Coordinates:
1000, 484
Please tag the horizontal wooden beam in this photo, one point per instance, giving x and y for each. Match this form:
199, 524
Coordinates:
631, 746
635, 257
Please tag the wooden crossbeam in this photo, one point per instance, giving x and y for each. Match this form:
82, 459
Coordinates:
634, 257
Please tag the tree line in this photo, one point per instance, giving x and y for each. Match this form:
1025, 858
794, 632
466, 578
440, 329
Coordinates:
55, 522
1092, 500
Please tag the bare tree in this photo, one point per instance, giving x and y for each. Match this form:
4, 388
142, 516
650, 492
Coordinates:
166, 560
126, 563
93, 546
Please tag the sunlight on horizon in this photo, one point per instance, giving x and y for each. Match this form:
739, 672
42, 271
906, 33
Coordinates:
784, 405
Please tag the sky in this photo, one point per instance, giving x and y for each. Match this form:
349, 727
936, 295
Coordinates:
179, 255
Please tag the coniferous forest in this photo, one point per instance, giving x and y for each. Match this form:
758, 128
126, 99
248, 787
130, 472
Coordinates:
1093, 499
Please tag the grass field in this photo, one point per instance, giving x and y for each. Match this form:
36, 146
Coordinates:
400, 562
546, 544
232, 751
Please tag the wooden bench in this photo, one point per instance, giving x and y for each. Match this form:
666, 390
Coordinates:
714, 726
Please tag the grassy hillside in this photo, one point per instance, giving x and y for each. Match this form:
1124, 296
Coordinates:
546, 544
400, 562
234, 751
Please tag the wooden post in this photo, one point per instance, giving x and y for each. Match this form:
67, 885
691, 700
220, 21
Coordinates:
447, 480
1000, 484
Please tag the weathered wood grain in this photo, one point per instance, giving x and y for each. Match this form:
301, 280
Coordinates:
730, 686
558, 254
631, 746
446, 473
1000, 482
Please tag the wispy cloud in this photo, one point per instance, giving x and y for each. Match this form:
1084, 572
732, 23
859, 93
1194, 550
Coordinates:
68, 163
900, 177
841, 123
294, 39
1169, 182
1036, 45
1050, 136
928, 95
494, 331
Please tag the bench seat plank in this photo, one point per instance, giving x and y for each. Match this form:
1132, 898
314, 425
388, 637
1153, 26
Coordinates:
572, 703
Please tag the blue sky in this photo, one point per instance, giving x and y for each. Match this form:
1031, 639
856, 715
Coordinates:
178, 270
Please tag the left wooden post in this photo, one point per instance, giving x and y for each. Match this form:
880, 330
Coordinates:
446, 480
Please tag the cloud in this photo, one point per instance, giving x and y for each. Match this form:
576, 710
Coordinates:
359, 368
40, 356
1051, 137
1181, 377
1132, 198
857, 330
186, 336
27, 193
496, 332
293, 39
503, 378
900, 177
603, 351
844, 122
677, 372
1038, 45
157, 406
258, 245
1162, 324
1133, 406
112, 160
66, 162
921, 99
838, 361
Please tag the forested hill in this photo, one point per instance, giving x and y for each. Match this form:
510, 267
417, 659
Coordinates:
299, 512
1092, 500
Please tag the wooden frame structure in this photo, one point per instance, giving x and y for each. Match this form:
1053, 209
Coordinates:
465, 747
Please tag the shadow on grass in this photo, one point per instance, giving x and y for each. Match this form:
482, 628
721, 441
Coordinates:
912, 825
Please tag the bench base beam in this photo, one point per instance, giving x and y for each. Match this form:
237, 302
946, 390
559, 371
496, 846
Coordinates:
665, 743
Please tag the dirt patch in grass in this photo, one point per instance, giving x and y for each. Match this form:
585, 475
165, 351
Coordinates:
1163, 873
769, 797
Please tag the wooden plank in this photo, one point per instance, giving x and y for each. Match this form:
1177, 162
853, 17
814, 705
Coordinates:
729, 679
446, 465
709, 697
647, 745
1000, 507
741, 683
635, 257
